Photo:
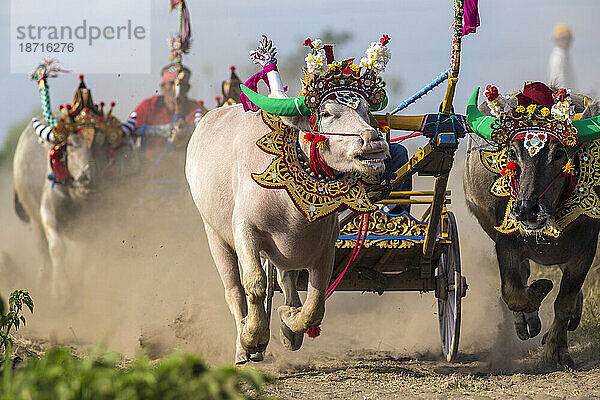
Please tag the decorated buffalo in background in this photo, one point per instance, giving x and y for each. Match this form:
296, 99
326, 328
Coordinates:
532, 181
59, 168
320, 148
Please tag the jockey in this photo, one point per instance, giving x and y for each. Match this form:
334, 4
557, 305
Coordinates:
158, 111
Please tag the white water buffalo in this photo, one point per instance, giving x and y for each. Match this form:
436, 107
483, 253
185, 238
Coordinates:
245, 221
55, 210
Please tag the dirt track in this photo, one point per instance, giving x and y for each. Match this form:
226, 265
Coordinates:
383, 375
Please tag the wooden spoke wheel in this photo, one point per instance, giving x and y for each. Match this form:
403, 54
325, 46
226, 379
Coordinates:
451, 288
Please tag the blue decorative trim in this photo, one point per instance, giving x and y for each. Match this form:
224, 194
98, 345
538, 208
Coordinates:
421, 92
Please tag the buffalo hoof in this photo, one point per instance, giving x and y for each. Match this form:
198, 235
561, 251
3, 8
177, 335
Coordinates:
290, 340
521, 325
254, 349
241, 357
527, 325
257, 357
574, 322
558, 358
253, 341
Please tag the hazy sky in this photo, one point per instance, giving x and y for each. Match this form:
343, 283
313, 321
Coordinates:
512, 45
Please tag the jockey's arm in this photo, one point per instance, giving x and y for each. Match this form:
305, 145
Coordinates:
181, 131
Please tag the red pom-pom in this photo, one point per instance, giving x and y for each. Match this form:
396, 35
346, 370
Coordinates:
101, 104
86, 110
112, 103
307, 42
81, 77
60, 107
314, 332
99, 119
68, 106
510, 169
385, 39
74, 111
201, 102
491, 92
79, 131
232, 68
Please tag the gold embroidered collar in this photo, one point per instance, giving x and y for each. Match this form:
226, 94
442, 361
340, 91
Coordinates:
314, 198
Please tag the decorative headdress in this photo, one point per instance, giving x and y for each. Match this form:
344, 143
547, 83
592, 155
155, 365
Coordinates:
326, 79
83, 116
231, 88
540, 114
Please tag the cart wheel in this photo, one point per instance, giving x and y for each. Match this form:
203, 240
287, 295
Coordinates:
451, 289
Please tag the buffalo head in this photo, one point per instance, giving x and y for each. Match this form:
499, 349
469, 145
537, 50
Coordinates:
539, 182
351, 145
541, 132
87, 163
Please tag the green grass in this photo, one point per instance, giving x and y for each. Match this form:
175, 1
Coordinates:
59, 374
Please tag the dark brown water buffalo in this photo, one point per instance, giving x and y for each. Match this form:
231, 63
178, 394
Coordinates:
529, 181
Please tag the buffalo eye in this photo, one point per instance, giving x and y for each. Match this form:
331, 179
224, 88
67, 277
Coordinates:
557, 155
326, 114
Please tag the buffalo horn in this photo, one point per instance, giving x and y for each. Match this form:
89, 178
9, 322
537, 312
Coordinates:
291, 107
42, 130
478, 121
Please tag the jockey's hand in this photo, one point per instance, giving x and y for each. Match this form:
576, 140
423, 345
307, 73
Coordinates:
181, 133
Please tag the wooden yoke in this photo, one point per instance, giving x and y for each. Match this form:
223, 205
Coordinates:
402, 122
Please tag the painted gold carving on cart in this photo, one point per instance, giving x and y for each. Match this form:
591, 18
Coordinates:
381, 224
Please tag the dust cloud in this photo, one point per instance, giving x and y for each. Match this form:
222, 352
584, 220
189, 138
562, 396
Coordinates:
141, 275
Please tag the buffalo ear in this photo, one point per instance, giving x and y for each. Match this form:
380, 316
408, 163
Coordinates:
301, 123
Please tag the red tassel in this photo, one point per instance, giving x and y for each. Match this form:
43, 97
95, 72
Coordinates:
60, 171
510, 169
314, 332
